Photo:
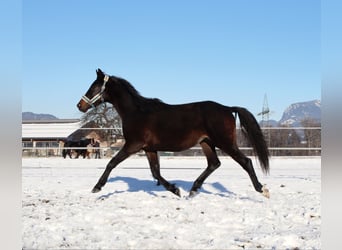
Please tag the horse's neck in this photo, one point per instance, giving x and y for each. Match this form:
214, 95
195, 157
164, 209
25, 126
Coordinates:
124, 104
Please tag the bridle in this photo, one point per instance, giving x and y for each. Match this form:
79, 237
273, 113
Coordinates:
97, 96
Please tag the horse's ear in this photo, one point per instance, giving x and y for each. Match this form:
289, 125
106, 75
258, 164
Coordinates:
99, 73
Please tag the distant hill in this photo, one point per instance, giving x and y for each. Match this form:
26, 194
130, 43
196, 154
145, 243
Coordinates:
297, 112
269, 123
33, 116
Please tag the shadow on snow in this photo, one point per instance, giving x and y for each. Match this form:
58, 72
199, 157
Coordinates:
150, 187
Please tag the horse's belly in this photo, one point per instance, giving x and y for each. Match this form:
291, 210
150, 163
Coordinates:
174, 142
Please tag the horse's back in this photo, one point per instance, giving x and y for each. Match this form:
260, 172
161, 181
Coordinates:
179, 127
184, 118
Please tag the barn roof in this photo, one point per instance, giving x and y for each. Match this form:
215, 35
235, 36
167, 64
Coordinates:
44, 129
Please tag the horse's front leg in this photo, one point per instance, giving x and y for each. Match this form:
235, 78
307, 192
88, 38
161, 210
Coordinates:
123, 154
153, 160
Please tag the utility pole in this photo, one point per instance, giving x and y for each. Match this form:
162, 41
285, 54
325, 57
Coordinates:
265, 116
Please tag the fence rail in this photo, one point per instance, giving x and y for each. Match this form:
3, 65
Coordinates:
281, 141
194, 151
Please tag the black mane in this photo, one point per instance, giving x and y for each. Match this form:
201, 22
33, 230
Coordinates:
143, 103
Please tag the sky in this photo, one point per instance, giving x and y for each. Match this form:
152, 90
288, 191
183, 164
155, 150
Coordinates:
231, 52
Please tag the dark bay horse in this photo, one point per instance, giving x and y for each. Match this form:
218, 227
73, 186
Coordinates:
152, 125
80, 147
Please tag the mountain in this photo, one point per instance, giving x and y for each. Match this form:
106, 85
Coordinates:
292, 116
297, 112
33, 116
269, 123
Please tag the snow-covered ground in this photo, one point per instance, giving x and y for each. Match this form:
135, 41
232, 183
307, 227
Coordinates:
131, 212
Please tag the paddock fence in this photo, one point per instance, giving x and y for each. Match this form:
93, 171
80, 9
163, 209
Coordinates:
281, 141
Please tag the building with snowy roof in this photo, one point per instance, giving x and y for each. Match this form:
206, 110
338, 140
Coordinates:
47, 133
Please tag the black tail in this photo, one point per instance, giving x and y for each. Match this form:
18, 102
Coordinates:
252, 131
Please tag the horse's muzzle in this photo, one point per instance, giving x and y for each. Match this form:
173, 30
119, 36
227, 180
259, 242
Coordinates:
83, 106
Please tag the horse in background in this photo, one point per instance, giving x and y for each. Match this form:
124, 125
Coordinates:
78, 147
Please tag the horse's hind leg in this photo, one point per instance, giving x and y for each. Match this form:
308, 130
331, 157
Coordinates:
213, 163
153, 160
247, 165
64, 153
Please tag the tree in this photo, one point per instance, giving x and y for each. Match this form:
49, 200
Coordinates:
104, 116
284, 137
312, 136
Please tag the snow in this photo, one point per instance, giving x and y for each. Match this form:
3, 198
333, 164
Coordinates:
131, 212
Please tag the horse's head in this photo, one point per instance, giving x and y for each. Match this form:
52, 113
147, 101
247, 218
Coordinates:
95, 94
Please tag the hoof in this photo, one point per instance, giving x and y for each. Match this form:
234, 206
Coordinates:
175, 190
192, 194
96, 190
265, 192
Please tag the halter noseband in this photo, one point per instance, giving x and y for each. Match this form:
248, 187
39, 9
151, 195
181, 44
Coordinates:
97, 96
